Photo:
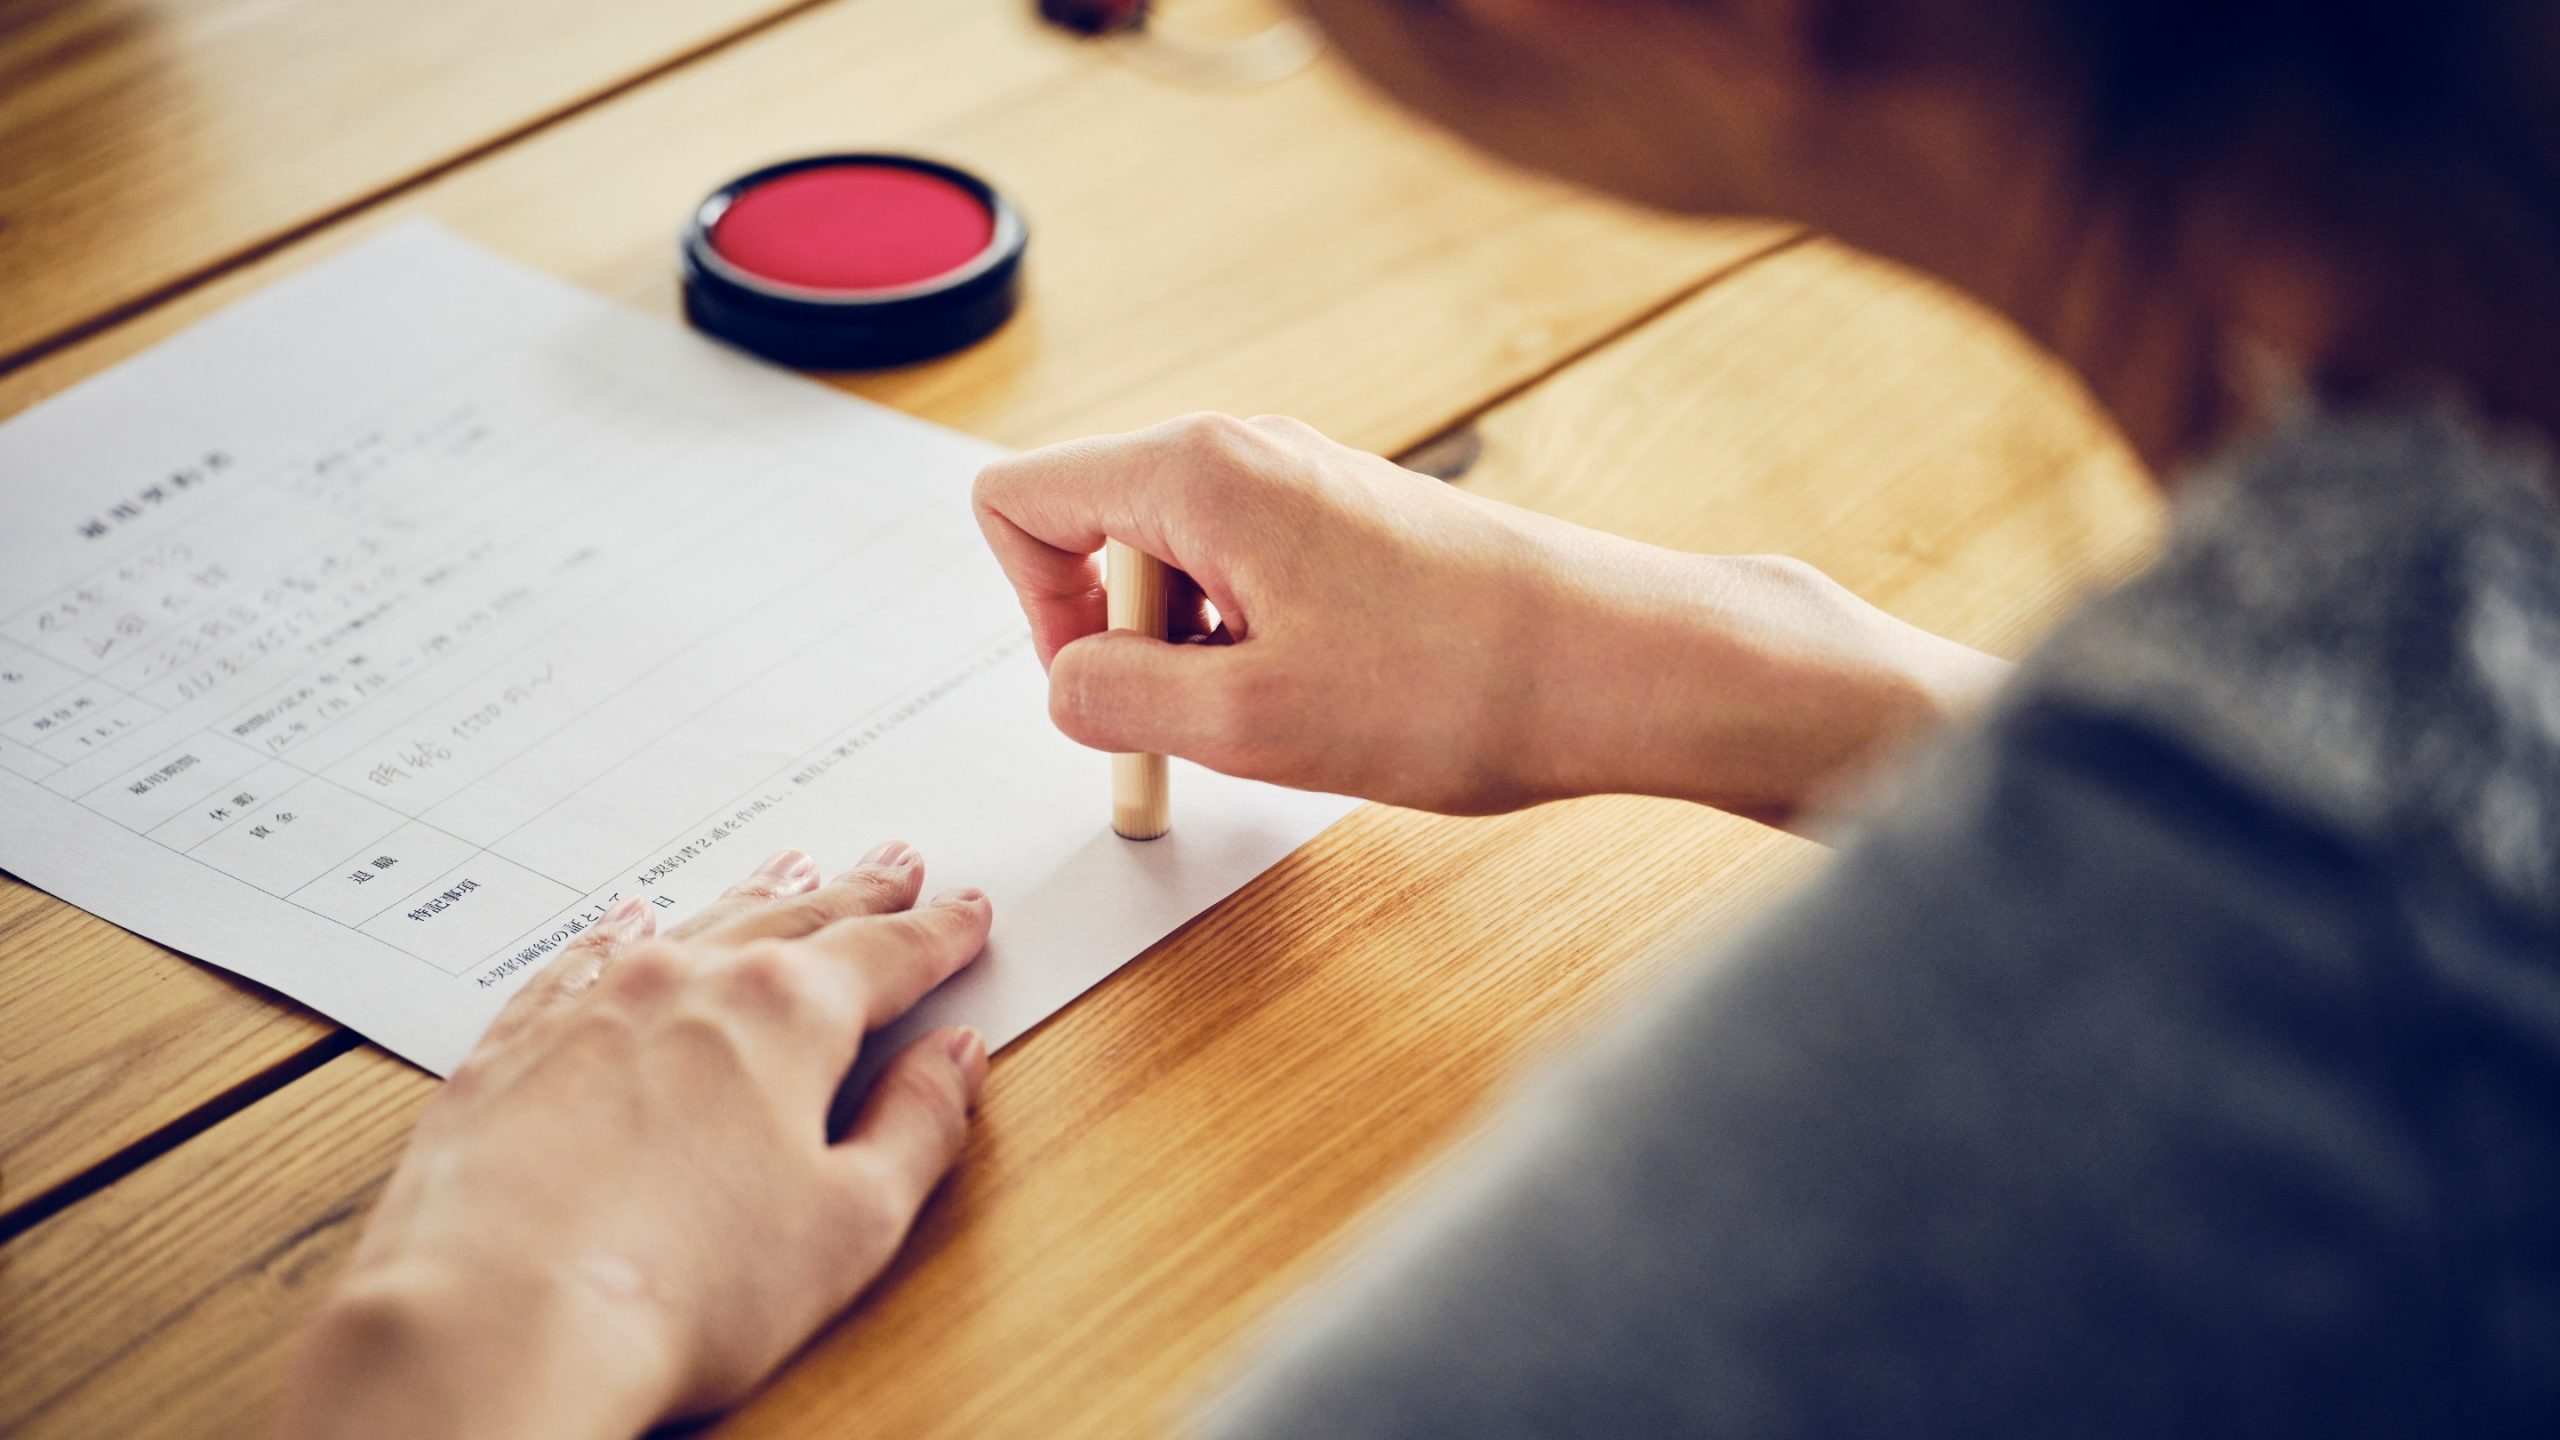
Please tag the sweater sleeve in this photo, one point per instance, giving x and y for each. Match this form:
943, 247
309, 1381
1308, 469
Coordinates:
2079, 1097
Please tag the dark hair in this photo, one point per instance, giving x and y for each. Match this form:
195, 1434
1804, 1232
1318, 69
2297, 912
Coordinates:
2413, 147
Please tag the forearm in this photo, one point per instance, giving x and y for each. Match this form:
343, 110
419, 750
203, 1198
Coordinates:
1756, 685
420, 1356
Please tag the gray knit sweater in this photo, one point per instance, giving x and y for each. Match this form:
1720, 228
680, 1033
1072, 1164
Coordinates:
2176, 1052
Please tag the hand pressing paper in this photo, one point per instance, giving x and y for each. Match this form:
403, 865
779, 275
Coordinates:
374, 637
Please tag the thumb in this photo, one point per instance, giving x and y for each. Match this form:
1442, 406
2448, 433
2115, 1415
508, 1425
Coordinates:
1125, 692
914, 1122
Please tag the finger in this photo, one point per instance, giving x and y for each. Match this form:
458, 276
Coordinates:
1125, 693
1064, 594
887, 879
897, 959
914, 1122
1061, 591
577, 967
786, 872
1075, 495
1046, 512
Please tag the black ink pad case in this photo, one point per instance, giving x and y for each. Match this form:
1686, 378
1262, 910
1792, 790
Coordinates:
849, 262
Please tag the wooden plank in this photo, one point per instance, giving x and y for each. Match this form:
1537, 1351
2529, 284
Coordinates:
1163, 1162
100, 1031
127, 1331
1294, 248
148, 141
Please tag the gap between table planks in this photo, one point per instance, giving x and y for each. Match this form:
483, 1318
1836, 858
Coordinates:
150, 144
1158, 1166
1295, 248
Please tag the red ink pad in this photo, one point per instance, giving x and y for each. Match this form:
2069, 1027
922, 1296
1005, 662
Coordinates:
842, 262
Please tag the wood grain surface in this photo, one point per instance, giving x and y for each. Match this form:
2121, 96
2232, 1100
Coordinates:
1162, 1162
1831, 407
143, 142
107, 1039
1294, 249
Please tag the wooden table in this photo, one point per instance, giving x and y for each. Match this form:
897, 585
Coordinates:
184, 1158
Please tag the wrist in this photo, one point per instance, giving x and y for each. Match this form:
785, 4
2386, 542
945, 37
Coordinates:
1754, 684
419, 1350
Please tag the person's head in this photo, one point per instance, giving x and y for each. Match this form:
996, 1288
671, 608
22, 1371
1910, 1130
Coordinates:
2369, 189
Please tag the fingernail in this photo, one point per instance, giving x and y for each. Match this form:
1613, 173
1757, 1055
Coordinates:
964, 895
630, 920
790, 867
890, 854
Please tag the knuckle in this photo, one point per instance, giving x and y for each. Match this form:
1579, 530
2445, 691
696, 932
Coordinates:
1202, 426
931, 934
598, 937
756, 888
1219, 437
872, 1209
1781, 569
947, 1106
855, 892
1286, 427
932, 1093
861, 891
704, 1043
932, 1096
773, 981
599, 1039
647, 973
767, 968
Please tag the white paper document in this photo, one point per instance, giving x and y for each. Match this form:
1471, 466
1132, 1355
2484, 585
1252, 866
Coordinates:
375, 636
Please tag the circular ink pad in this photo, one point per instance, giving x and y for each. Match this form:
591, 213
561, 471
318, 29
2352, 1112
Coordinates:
847, 262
